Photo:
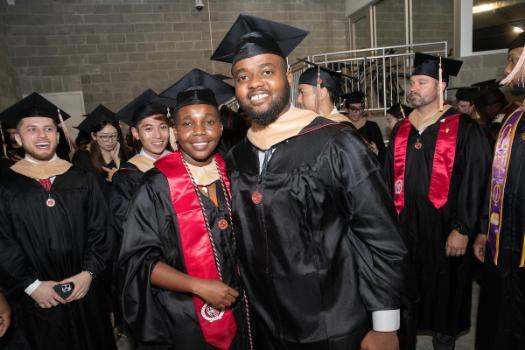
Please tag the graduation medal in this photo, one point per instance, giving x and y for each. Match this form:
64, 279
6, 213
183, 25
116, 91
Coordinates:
418, 145
50, 202
223, 224
257, 197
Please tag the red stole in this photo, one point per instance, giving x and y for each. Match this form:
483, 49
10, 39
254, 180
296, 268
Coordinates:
442, 165
218, 327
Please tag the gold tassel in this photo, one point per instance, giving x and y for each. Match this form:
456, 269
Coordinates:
440, 86
318, 91
402, 111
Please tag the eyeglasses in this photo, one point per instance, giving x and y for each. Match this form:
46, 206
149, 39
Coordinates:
106, 138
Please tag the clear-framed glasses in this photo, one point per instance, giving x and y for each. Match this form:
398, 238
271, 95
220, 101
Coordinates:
106, 138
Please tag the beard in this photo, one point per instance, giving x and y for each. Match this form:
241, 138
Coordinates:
43, 157
272, 112
417, 100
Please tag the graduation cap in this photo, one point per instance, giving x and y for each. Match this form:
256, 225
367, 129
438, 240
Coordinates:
99, 115
429, 65
328, 78
464, 93
354, 97
251, 36
33, 105
488, 93
145, 105
400, 111
197, 87
518, 42
436, 67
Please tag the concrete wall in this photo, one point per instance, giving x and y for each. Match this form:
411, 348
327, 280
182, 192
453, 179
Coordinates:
114, 49
8, 88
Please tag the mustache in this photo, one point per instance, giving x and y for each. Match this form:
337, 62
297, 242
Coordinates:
411, 94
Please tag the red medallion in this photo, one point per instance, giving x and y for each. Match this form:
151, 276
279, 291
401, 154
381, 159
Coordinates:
223, 224
50, 202
257, 197
418, 145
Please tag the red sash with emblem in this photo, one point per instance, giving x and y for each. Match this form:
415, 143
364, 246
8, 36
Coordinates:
442, 165
218, 327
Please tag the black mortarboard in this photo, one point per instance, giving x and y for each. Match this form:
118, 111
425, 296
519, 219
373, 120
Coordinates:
250, 36
428, 65
101, 114
518, 42
329, 78
465, 94
400, 111
488, 93
354, 97
197, 87
32, 105
143, 106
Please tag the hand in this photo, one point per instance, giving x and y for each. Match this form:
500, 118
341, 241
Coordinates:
479, 246
111, 172
5, 315
373, 148
45, 296
82, 283
380, 341
456, 244
115, 154
215, 293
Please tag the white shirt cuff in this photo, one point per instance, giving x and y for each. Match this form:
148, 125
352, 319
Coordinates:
386, 320
32, 287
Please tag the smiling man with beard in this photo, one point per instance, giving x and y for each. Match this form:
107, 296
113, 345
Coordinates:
320, 253
437, 169
52, 231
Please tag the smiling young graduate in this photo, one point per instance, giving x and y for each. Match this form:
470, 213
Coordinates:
320, 253
437, 168
53, 230
149, 125
180, 282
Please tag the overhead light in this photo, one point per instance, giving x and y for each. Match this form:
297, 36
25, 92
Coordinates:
517, 30
484, 8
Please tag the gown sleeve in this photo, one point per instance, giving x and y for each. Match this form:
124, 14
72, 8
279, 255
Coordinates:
373, 229
377, 138
16, 272
100, 245
474, 160
142, 247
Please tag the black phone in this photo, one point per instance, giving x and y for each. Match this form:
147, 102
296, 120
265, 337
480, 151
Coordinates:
64, 289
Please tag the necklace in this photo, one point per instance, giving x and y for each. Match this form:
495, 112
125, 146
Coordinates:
213, 247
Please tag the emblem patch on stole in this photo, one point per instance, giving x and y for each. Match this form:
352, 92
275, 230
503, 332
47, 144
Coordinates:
398, 186
211, 314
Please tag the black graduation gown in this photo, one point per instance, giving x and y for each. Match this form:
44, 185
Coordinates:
37, 241
322, 250
444, 283
157, 318
82, 160
125, 182
501, 315
371, 133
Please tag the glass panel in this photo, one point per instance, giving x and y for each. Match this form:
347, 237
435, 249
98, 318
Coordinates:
432, 21
361, 32
496, 23
390, 23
